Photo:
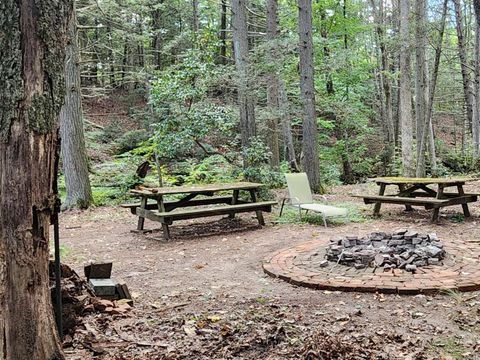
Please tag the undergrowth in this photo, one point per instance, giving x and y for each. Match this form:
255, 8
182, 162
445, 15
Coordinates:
355, 213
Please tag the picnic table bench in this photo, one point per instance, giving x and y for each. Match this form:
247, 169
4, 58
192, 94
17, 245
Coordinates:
153, 205
415, 192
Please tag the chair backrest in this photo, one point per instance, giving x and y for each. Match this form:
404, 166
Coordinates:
299, 188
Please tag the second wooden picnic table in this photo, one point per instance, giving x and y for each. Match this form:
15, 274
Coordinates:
416, 192
166, 212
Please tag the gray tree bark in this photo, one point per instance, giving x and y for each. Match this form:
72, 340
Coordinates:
429, 107
223, 32
421, 82
385, 85
405, 101
244, 88
476, 123
462, 54
273, 85
32, 91
290, 153
310, 159
74, 153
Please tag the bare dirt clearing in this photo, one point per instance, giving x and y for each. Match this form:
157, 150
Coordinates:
204, 295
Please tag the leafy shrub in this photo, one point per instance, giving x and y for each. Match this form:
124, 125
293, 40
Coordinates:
130, 140
210, 170
110, 133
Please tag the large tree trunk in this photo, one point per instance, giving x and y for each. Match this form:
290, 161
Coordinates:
405, 97
74, 154
245, 93
421, 82
462, 54
32, 91
310, 158
273, 85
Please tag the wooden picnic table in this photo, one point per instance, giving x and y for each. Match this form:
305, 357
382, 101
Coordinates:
416, 192
166, 212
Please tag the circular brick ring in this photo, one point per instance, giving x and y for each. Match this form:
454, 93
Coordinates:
299, 265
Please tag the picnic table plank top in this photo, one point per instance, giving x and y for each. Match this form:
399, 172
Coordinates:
194, 189
425, 181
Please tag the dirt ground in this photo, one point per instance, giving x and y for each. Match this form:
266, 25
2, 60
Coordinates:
204, 295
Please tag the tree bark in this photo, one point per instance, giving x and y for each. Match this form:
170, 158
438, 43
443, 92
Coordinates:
429, 107
74, 153
385, 82
405, 101
476, 124
223, 33
32, 90
245, 91
273, 85
157, 37
195, 24
421, 83
290, 153
310, 158
462, 54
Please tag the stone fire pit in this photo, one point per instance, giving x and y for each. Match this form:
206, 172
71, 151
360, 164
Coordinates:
401, 249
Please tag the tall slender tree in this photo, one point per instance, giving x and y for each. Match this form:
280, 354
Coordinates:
405, 96
74, 154
273, 84
310, 160
476, 119
241, 53
32, 85
421, 80
463, 56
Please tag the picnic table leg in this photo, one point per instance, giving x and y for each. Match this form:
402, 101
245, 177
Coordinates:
466, 212
376, 209
436, 211
161, 208
234, 202
141, 219
401, 187
260, 219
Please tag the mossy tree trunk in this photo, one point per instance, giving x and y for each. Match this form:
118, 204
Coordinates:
32, 91
74, 154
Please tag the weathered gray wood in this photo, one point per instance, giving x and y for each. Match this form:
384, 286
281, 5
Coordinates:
376, 210
197, 189
370, 199
141, 219
168, 217
170, 205
428, 203
423, 181
253, 197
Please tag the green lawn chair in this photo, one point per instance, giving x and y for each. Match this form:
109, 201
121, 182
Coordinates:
300, 196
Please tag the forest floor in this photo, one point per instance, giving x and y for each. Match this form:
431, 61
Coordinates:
204, 294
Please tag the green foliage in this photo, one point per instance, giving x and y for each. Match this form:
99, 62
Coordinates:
257, 157
356, 214
130, 140
210, 170
110, 133
187, 118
